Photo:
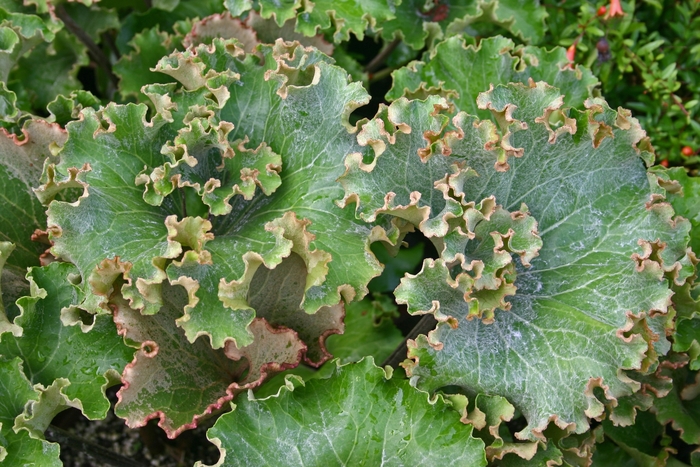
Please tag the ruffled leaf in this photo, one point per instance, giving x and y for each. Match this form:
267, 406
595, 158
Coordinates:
460, 71
21, 161
20, 32
59, 63
104, 153
418, 21
606, 246
89, 357
299, 216
643, 443
180, 382
681, 406
20, 448
322, 421
134, 67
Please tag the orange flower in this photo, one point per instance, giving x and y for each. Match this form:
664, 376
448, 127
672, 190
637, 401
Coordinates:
615, 9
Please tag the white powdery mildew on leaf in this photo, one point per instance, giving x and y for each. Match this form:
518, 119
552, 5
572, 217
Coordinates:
579, 314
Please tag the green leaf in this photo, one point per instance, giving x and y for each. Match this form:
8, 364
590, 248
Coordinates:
238, 7
415, 21
604, 251
298, 217
267, 31
21, 161
345, 16
134, 68
369, 330
19, 33
59, 61
173, 21
20, 448
638, 445
180, 382
650, 47
686, 203
64, 109
90, 357
195, 161
461, 71
93, 20
681, 407
321, 422
84, 232
12, 285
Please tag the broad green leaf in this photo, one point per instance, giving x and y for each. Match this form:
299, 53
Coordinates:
90, 359
180, 382
267, 31
20, 448
565, 326
357, 415
145, 183
460, 71
522, 18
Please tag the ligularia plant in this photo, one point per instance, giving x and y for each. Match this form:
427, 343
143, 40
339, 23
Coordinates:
222, 229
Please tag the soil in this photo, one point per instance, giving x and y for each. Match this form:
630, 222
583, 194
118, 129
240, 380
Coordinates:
109, 442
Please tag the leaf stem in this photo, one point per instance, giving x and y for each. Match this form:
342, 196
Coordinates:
93, 50
377, 61
424, 326
381, 74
